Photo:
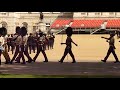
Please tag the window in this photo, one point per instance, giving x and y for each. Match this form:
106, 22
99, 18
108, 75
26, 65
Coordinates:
97, 13
29, 12
3, 13
111, 13
83, 13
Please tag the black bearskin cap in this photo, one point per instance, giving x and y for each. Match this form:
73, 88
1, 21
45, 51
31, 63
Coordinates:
69, 31
23, 31
3, 31
18, 30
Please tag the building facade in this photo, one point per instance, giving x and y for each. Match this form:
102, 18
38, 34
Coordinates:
28, 19
31, 19
96, 15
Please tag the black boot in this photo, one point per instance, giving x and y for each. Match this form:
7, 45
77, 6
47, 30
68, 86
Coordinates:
29, 61
45, 61
116, 62
11, 61
74, 62
61, 61
103, 60
23, 63
7, 62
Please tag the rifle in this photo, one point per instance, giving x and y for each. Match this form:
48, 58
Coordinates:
104, 37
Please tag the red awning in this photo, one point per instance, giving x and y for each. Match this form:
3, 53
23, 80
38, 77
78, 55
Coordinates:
86, 23
114, 23
89, 23
59, 23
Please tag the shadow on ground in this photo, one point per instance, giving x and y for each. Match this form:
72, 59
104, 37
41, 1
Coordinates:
66, 68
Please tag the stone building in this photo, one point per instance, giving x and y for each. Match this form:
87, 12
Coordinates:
31, 20
28, 19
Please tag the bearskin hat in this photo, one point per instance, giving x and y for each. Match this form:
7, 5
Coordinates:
40, 33
18, 29
23, 31
3, 31
112, 33
69, 31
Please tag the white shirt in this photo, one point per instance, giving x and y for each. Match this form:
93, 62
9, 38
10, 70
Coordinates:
25, 38
2, 40
17, 40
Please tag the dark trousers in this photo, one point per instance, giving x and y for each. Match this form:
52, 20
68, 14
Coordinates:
52, 43
32, 47
12, 48
16, 53
27, 54
6, 54
40, 49
111, 50
8, 47
66, 52
24, 50
21, 54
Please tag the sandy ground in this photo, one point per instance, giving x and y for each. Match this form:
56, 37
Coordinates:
88, 54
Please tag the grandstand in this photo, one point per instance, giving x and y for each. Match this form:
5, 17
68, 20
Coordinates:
87, 24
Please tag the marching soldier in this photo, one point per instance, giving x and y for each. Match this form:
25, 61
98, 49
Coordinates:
68, 43
21, 50
5, 52
26, 48
1, 45
23, 47
31, 43
40, 47
52, 41
112, 48
16, 39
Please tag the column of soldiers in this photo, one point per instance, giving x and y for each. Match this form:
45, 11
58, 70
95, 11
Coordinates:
40, 42
48, 43
20, 44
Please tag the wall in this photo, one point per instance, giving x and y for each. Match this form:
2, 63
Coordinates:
14, 19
